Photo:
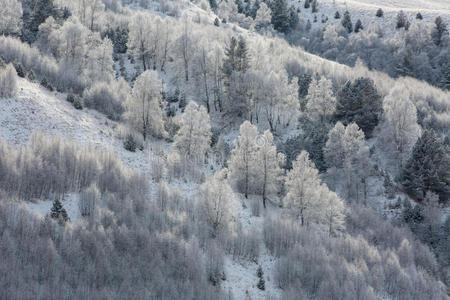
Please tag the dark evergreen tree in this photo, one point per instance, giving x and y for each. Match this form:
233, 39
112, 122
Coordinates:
358, 26
213, 5
315, 19
58, 212
40, 12
412, 216
229, 63
280, 16
337, 15
445, 80
380, 13
313, 139
293, 18
389, 189
401, 19
240, 6
242, 56
303, 85
439, 31
359, 102
118, 37
314, 6
307, 4
216, 22
261, 282
419, 16
19, 69
308, 25
254, 9
428, 168
347, 22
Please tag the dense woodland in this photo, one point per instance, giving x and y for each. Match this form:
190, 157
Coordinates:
333, 140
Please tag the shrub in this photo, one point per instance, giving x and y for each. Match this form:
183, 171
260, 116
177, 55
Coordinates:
78, 103
19, 70
106, 98
46, 84
71, 97
130, 143
8, 82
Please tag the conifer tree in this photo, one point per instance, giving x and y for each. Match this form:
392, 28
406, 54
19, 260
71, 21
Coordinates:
347, 22
359, 102
439, 31
307, 4
314, 6
428, 168
58, 212
337, 15
358, 26
419, 16
261, 282
280, 16
380, 13
401, 19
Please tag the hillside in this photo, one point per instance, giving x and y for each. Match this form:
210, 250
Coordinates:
184, 150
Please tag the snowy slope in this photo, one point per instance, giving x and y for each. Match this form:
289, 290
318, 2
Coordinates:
36, 109
366, 10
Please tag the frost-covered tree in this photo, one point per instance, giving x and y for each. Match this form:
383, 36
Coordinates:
346, 153
333, 210
10, 17
263, 17
302, 183
269, 165
139, 43
193, 139
8, 81
243, 158
216, 197
428, 168
321, 103
400, 125
144, 105
334, 151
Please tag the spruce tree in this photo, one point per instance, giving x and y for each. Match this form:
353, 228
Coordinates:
213, 5
358, 26
229, 63
445, 80
439, 31
380, 13
307, 4
359, 102
242, 56
401, 19
419, 16
261, 282
337, 15
347, 22
428, 168
280, 16
58, 212
314, 6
